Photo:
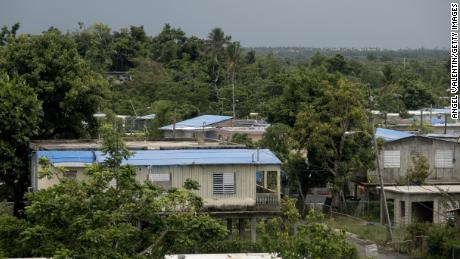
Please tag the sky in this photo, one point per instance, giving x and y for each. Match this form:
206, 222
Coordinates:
391, 24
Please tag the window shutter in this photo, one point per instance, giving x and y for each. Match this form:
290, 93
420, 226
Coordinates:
159, 177
391, 159
444, 159
223, 183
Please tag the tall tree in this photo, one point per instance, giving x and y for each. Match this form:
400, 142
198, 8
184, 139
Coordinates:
327, 129
20, 114
69, 90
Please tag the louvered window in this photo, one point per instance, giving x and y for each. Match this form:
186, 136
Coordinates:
159, 177
444, 159
223, 183
391, 159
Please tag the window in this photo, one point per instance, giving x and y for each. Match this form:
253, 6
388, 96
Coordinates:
159, 177
72, 174
223, 183
444, 159
391, 159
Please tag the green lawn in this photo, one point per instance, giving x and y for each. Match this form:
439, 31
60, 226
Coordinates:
364, 230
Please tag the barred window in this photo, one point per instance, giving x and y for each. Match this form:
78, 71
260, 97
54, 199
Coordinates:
223, 183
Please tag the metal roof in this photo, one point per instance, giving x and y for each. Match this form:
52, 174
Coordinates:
147, 117
390, 135
171, 157
197, 122
199, 157
67, 156
423, 189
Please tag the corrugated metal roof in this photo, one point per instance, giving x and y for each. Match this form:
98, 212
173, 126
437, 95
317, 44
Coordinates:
171, 157
199, 157
147, 117
67, 156
423, 189
390, 135
197, 122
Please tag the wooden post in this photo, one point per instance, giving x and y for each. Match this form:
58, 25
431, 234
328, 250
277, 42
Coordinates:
230, 228
278, 185
265, 179
253, 229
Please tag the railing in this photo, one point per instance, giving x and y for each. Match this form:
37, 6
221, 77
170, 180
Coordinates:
267, 199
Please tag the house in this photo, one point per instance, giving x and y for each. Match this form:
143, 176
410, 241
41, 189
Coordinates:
198, 127
254, 129
395, 158
425, 203
230, 179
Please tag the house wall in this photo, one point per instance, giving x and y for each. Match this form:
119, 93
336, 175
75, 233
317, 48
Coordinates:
182, 134
245, 181
427, 147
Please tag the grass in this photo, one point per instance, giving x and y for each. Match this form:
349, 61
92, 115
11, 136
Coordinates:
365, 230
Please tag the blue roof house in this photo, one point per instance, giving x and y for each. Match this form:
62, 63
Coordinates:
230, 179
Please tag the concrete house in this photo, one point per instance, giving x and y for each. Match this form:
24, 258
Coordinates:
198, 127
425, 203
230, 179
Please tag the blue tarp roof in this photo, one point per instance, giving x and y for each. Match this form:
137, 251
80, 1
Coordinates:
172, 157
197, 122
435, 121
389, 135
65, 156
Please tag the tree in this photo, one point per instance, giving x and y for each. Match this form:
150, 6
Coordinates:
69, 91
417, 173
92, 218
415, 94
233, 54
20, 114
289, 238
323, 128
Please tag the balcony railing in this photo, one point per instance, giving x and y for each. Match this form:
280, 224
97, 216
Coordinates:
267, 199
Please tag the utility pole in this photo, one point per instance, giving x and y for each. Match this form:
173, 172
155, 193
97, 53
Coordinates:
383, 198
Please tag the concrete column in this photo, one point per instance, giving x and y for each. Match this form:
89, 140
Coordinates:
230, 228
397, 212
253, 229
241, 227
436, 218
408, 218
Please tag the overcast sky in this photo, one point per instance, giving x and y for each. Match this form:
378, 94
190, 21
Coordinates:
314, 23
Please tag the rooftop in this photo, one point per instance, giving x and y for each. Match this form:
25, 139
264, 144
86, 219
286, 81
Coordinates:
94, 144
390, 135
423, 189
168, 157
197, 122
